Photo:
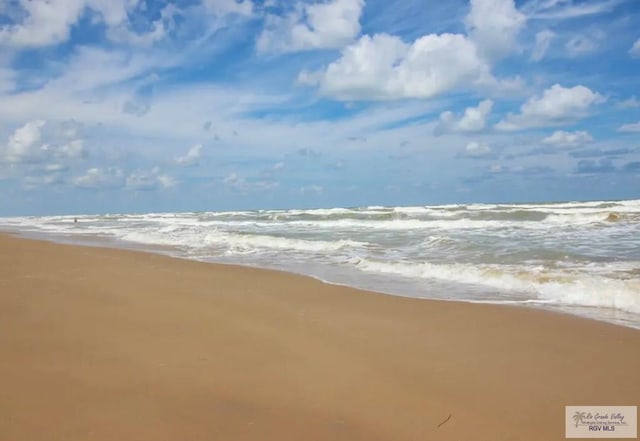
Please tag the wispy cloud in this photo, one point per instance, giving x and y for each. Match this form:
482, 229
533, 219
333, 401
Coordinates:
635, 49
543, 42
567, 9
630, 127
256, 101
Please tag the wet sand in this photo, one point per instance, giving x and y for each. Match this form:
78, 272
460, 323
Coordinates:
104, 344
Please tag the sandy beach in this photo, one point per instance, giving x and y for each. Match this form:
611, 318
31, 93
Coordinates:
105, 344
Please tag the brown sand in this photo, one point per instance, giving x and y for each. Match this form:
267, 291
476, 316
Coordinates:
100, 344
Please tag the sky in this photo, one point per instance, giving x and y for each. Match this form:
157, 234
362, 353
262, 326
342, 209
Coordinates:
117, 106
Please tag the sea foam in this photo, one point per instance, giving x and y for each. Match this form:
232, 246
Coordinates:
580, 256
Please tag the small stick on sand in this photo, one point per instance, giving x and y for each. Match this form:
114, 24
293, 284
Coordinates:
448, 418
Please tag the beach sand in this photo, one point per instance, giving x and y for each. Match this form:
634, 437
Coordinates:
105, 344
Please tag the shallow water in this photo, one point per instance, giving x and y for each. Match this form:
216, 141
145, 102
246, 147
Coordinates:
578, 257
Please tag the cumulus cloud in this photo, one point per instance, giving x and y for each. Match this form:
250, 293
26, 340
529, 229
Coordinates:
494, 25
48, 22
109, 177
384, 67
330, 25
474, 119
153, 179
635, 49
477, 149
632, 127
543, 41
26, 145
561, 138
191, 158
72, 149
557, 105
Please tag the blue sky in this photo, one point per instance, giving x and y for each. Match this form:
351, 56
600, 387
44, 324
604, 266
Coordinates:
141, 105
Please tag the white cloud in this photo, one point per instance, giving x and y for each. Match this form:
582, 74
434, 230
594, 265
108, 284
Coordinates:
477, 149
329, 25
149, 180
72, 149
24, 144
557, 105
543, 41
92, 68
635, 49
561, 138
100, 178
26, 155
384, 67
48, 22
632, 127
494, 25
192, 156
474, 119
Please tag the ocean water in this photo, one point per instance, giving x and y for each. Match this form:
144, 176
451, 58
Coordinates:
580, 257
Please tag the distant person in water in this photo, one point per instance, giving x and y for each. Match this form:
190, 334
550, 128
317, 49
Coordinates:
75, 220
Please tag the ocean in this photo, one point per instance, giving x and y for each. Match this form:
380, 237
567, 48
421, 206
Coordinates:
580, 258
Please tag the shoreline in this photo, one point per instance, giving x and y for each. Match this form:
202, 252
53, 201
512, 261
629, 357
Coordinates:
102, 344
583, 312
